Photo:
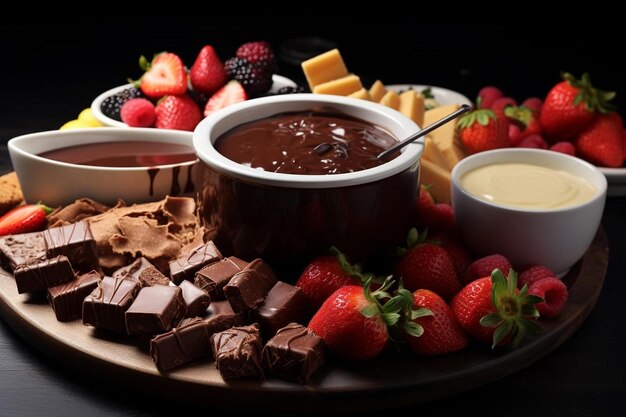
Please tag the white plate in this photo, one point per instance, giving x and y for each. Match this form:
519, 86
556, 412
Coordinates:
279, 82
443, 96
616, 178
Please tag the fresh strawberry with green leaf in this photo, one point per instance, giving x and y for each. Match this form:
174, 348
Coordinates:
483, 130
430, 325
354, 323
177, 112
326, 274
24, 219
570, 107
164, 76
601, 142
525, 119
207, 74
424, 265
493, 311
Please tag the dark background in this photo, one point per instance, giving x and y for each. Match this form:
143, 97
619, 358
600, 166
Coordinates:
51, 70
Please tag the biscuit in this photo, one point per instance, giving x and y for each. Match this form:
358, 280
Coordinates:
10, 192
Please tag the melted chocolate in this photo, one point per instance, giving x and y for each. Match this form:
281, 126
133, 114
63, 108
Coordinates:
306, 143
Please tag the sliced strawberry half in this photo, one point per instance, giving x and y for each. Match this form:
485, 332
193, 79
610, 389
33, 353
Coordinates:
164, 76
231, 93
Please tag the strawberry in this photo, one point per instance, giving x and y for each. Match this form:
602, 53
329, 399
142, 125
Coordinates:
461, 258
601, 142
483, 267
501, 104
533, 141
24, 219
527, 121
326, 274
257, 53
483, 129
533, 103
231, 93
570, 107
164, 76
554, 294
437, 332
207, 73
533, 274
438, 217
426, 266
487, 96
138, 112
425, 199
352, 322
177, 112
493, 311
564, 147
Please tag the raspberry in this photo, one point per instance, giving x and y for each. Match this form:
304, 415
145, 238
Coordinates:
138, 112
258, 53
533, 274
255, 79
484, 266
533, 141
564, 147
554, 294
112, 105
533, 103
503, 102
488, 95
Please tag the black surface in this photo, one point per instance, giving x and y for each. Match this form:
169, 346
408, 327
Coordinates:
52, 71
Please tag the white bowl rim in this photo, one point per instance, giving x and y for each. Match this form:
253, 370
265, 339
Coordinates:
209, 155
150, 134
601, 179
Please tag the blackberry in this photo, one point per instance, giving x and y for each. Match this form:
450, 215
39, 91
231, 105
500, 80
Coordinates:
291, 90
112, 105
255, 79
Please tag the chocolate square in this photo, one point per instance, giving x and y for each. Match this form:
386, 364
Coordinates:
238, 352
25, 248
284, 304
248, 288
105, 307
143, 271
219, 307
223, 322
196, 299
41, 275
183, 344
294, 353
186, 266
67, 299
156, 309
214, 277
76, 242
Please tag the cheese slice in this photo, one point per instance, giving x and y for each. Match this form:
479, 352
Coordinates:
391, 99
377, 91
433, 154
323, 68
340, 87
362, 94
444, 137
438, 178
412, 106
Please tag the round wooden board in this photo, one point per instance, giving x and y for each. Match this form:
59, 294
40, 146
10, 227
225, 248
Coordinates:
405, 379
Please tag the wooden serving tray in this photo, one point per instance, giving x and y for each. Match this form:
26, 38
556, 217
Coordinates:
405, 378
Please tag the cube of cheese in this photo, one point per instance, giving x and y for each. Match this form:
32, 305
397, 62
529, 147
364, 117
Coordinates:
444, 137
362, 94
412, 106
438, 178
323, 68
341, 87
433, 154
377, 91
391, 99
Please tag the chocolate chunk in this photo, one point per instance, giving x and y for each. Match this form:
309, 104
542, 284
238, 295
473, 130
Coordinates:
76, 242
67, 299
186, 266
196, 299
183, 344
248, 288
143, 271
156, 310
214, 277
42, 275
220, 307
104, 308
16, 250
223, 322
295, 353
284, 304
151, 276
238, 352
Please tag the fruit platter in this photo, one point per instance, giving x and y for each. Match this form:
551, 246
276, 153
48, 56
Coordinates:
290, 262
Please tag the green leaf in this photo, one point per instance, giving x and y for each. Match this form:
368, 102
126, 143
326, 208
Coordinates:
531, 326
512, 282
519, 335
531, 299
394, 305
370, 310
408, 297
391, 318
491, 320
498, 287
412, 238
413, 329
144, 64
483, 119
420, 312
501, 332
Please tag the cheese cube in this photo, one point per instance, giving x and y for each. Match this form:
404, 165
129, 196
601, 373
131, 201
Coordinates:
438, 178
444, 137
412, 106
433, 154
391, 99
340, 87
362, 94
377, 91
323, 68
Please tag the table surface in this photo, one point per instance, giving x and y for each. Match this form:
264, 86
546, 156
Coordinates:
585, 376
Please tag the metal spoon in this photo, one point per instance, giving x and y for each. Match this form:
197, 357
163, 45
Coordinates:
464, 109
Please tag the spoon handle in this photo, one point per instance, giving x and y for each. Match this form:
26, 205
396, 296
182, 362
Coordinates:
464, 109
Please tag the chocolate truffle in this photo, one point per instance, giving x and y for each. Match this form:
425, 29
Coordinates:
76, 242
41, 275
67, 299
183, 344
196, 299
248, 288
238, 352
105, 307
214, 277
284, 304
186, 266
156, 309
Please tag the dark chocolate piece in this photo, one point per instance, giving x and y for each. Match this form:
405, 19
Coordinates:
284, 304
248, 288
16, 250
214, 277
67, 299
42, 275
157, 309
186, 266
238, 352
143, 271
219, 307
223, 322
295, 353
104, 308
183, 344
76, 242
196, 299
152, 276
